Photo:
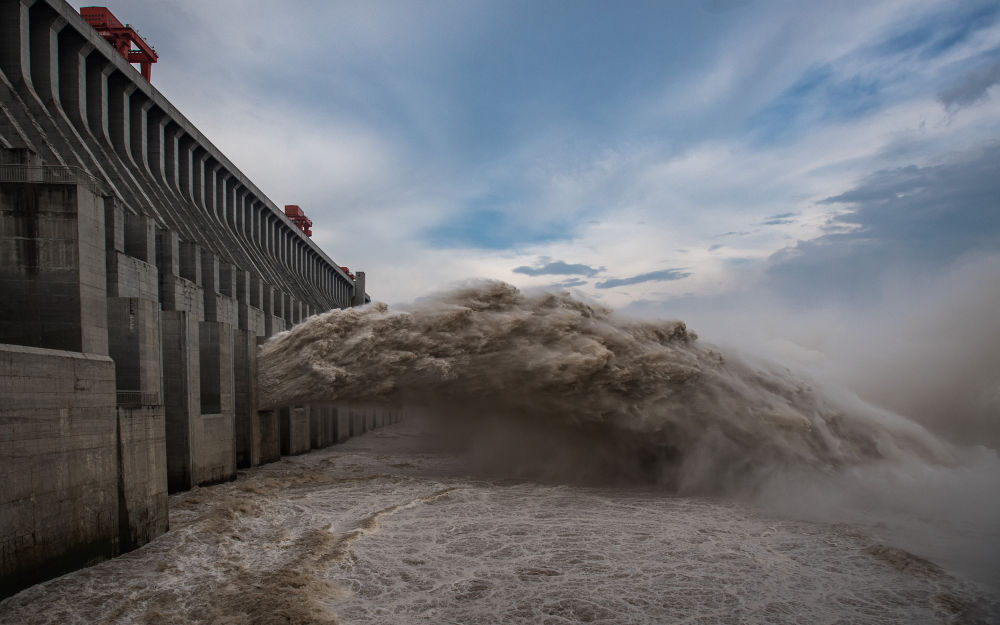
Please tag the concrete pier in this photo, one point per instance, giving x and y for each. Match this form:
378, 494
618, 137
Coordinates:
139, 272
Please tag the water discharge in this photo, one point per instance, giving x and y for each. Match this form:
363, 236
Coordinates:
552, 384
832, 509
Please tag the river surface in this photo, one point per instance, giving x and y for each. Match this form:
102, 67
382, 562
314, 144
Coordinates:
386, 528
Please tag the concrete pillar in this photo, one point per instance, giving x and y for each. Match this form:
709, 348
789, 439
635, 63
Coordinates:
322, 425
120, 90
155, 122
15, 50
168, 252
227, 279
98, 71
45, 26
139, 107
190, 262
210, 283
114, 226
214, 450
73, 50
267, 438
294, 430
171, 149
256, 293
140, 237
220, 181
245, 415
250, 226
343, 418
229, 188
316, 426
211, 169
186, 146
249, 316
181, 395
239, 210
199, 156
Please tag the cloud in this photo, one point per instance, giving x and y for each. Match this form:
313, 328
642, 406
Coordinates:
780, 219
558, 268
568, 284
821, 94
937, 32
664, 275
972, 88
918, 217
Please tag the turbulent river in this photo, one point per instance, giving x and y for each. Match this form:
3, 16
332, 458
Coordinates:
387, 529
564, 466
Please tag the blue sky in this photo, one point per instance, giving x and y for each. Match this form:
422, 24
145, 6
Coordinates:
641, 153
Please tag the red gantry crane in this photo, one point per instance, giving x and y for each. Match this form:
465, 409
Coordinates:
293, 212
121, 36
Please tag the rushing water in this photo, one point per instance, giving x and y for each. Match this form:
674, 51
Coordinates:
391, 528
566, 466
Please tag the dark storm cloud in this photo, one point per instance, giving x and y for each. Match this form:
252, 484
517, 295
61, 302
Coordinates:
558, 268
916, 218
664, 275
972, 87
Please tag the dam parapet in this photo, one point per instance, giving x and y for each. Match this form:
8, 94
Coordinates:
139, 272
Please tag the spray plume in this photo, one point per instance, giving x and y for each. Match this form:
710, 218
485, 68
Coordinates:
648, 392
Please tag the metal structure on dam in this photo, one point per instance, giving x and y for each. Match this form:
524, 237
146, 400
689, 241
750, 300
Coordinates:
139, 270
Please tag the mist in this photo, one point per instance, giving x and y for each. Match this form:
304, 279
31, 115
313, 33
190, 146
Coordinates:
923, 345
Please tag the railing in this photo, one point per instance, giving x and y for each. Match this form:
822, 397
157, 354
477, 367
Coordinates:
53, 174
137, 399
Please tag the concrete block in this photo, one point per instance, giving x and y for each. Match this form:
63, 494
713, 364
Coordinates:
267, 438
142, 454
134, 343
294, 421
59, 506
52, 267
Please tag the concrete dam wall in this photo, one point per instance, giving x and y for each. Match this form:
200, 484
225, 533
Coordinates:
139, 272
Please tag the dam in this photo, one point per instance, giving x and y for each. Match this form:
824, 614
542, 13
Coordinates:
139, 271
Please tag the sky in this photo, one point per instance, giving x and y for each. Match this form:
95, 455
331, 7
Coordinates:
636, 152
740, 164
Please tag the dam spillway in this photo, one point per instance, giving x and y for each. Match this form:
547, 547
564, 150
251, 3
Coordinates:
139, 271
